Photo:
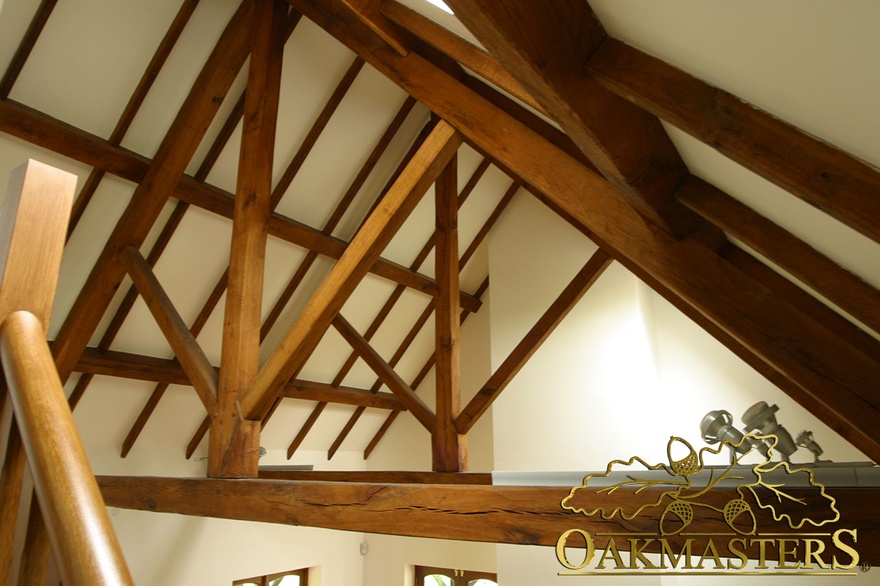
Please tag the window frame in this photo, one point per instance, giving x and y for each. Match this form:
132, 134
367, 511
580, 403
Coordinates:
265, 580
458, 577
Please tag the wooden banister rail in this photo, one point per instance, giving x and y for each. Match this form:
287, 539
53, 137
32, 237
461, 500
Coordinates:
37, 431
82, 538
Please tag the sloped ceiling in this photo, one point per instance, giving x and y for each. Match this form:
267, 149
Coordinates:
345, 127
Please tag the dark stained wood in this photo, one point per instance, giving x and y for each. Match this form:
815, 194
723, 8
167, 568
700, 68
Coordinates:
370, 14
316, 129
426, 368
194, 442
167, 168
153, 401
12, 476
234, 442
449, 447
346, 429
848, 332
306, 428
380, 433
536, 336
134, 103
541, 44
362, 253
762, 323
497, 514
169, 372
31, 126
394, 298
83, 540
386, 373
810, 169
378, 476
34, 565
458, 49
35, 211
146, 411
193, 361
817, 271
41, 16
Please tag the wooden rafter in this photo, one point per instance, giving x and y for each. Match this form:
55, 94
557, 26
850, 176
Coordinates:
806, 167
389, 306
133, 106
363, 251
194, 362
41, 17
31, 126
164, 173
403, 391
458, 49
169, 372
763, 324
540, 44
530, 343
806, 264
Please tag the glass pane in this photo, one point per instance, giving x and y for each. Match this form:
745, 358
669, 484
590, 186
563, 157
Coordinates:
286, 581
438, 580
482, 582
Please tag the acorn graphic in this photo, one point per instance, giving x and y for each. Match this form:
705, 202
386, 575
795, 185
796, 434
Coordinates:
686, 466
676, 516
738, 514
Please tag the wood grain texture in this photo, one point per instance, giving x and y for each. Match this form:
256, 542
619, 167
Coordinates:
87, 552
169, 372
159, 182
544, 46
802, 261
370, 14
463, 52
449, 447
187, 350
33, 222
386, 373
234, 443
496, 514
362, 252
42, 130
762, 324
820, 174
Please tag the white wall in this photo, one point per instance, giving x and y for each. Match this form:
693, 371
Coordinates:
166, 549
407, 446
617, 378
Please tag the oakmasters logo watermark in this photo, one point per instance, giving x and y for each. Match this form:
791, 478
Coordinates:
654, 508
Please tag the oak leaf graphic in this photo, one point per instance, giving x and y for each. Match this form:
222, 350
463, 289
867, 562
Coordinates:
599, 498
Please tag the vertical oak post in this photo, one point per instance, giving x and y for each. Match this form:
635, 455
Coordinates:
234, 441
449, 446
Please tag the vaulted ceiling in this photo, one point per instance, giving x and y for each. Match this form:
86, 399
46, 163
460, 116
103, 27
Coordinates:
250, 239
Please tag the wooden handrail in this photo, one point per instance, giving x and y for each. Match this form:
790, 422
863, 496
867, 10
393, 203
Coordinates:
36, 425
82, 537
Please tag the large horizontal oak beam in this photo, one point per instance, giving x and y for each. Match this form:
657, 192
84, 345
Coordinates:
44, 131
526, 515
